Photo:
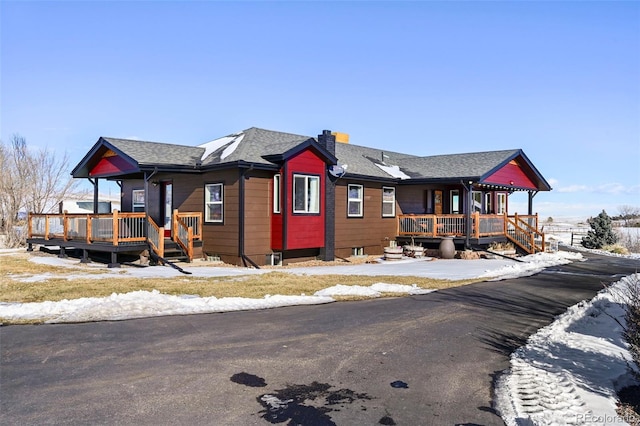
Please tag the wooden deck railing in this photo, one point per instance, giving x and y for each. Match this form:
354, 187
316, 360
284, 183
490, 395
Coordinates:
116, 228
521, 229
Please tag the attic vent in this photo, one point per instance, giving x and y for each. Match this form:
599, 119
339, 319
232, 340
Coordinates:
341, 137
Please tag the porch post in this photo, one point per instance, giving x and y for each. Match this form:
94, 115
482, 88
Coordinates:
531, 195
469, 223
94, 182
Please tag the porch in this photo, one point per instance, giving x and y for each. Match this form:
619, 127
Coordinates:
474, 229
114, 233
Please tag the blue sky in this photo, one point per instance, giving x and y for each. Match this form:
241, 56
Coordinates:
561, 80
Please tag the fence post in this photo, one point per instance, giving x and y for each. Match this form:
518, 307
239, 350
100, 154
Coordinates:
115, 230
46, 226
174, 225
190, 243
89, 230
65, 225
29, 225
161, 241
476, 221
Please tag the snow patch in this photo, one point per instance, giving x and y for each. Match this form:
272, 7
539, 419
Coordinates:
210, 147
394, 171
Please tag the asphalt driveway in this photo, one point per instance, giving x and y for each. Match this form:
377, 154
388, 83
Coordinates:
420, 360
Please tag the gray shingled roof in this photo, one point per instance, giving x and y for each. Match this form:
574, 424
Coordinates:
470, 165
362, 161
256, 144
156, 153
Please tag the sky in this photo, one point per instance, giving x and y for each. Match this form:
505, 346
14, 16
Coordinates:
560, 80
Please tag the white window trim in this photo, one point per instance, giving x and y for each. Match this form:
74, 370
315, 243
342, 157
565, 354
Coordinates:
310, 207
133, 200
487, 202
208, 202
393, 202
277, 191
501, 202
359, 200
476, 204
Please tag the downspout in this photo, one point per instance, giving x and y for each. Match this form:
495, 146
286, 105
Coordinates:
241, 210
146, 198
467, 231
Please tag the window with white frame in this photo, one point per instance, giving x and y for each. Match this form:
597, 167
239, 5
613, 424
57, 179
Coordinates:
276, 193
213, 202
388, 201
501, 202
488, 205
137, 200
354, 200
476, 197
306, 194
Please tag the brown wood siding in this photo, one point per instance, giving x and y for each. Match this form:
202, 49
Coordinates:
412, 199
126, 197
258, 210
221, 238
372, 231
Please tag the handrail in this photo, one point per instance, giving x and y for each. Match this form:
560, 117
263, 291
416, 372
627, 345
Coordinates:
190, 219
155, 235
184, 237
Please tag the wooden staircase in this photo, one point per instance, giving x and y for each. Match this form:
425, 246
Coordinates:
187, 235
524, 235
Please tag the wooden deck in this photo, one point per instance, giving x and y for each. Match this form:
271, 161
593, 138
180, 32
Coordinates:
112, 233
522, 230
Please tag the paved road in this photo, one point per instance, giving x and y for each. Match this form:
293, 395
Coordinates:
423, 360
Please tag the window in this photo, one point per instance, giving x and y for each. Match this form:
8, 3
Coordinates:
488, 205
455, 201
476, 197
306, 194
213, 202
501, 201
388, 201
137, 200
354, 200
276, 194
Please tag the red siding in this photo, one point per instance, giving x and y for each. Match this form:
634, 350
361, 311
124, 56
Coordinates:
110, 166
304, 230
512, 175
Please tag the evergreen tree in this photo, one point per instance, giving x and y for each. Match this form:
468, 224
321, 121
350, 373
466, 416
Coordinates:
601, 233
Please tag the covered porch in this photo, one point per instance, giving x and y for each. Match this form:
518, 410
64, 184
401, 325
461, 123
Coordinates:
474, 229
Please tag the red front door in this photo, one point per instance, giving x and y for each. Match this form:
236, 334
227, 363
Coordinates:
167, 207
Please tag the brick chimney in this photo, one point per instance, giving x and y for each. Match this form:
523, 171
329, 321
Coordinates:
328, 253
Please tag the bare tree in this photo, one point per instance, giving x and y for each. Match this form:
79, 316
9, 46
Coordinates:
30, 181
629, 214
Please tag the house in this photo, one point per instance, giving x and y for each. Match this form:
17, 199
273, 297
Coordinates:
261, 197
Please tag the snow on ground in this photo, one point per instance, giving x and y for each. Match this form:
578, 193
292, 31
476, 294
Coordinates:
568, 372
147, 304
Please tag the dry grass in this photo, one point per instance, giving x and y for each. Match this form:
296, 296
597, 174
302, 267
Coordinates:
99, 284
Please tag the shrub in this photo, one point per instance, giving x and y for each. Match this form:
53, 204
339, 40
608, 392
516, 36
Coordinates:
601, 233
615, 249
